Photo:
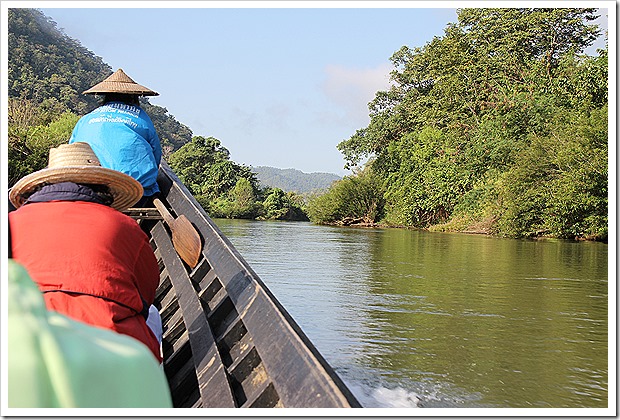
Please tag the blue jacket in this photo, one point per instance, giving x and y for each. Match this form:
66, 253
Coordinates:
123, 138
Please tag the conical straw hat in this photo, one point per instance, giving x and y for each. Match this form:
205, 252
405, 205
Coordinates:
119, 82
76, 162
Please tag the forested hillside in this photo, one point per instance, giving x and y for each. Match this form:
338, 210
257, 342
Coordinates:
48, 67
293, 179
47, 73
499, 126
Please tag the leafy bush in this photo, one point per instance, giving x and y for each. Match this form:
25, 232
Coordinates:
239, 203
358, 197
32, 133
280, 205
558, 185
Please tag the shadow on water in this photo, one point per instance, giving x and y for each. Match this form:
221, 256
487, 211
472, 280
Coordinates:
418, 319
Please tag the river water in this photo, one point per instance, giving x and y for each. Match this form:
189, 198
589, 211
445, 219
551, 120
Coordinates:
421, 319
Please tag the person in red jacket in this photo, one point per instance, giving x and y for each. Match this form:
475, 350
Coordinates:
93, 263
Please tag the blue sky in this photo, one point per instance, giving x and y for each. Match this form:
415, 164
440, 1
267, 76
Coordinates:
279, 84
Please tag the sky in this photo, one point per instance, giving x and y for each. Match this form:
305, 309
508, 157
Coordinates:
278, 83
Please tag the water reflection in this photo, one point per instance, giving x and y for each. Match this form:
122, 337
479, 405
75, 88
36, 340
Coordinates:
412, 318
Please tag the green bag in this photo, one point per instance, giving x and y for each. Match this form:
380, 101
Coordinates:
54, 361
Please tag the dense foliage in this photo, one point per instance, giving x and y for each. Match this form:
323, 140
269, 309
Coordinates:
227, 189
31, 133
499, 126
48, 67
282, 205
205, 168
356, 199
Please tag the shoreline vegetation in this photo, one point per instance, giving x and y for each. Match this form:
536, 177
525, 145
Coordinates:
499, 127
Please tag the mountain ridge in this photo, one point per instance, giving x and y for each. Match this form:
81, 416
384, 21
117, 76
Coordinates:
294, 180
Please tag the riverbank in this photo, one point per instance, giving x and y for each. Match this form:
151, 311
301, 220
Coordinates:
480, 228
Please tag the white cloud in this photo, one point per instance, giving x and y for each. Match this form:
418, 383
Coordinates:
245, 121
352, 89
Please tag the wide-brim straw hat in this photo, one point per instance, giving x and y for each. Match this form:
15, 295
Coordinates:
76, 162
119, 82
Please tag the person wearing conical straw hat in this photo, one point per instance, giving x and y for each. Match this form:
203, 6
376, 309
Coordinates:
121, 133
92, 262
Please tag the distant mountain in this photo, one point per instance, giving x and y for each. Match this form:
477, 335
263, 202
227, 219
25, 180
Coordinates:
293, 179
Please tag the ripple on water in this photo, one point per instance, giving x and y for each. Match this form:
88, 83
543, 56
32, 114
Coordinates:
411, 319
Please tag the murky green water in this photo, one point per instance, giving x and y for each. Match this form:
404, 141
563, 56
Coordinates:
419, 319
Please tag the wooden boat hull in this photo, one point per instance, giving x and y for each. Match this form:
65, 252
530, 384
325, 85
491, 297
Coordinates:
227, 341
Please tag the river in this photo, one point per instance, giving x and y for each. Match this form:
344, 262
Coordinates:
411, 318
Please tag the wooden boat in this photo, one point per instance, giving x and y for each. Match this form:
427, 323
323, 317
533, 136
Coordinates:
227, 341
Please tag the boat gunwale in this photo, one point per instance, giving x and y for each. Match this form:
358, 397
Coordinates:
296, 368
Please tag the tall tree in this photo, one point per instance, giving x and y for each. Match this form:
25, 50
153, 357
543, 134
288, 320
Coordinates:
468, 107
205, 167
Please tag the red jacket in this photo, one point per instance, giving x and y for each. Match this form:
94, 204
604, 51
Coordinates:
93, 264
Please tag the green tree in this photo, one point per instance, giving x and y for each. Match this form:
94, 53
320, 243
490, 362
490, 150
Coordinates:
193, 161
276, 204
281, 205
470, 126
240, 202
475, 68
204, 166
429, 180
354, 199
560, 183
